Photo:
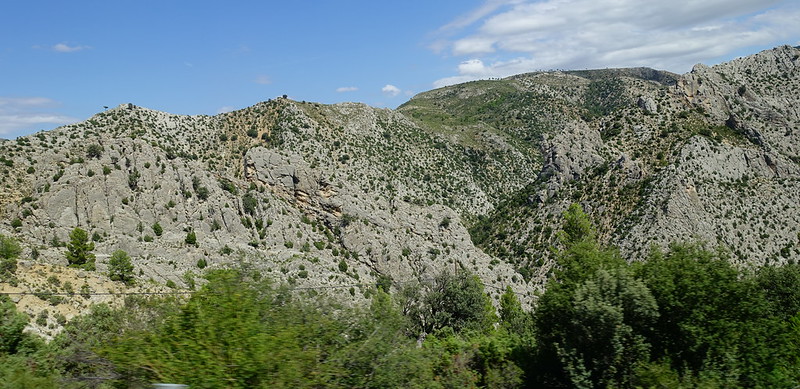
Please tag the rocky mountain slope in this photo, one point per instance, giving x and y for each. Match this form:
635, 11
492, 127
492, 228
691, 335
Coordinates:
710, 156
473, 176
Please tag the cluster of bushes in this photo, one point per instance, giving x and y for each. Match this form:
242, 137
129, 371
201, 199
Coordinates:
684, 318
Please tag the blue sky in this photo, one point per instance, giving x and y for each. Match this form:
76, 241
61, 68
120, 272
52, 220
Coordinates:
62, 61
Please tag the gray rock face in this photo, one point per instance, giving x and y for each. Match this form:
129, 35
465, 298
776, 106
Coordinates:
648, 104
712, 157
724, 196
318, 187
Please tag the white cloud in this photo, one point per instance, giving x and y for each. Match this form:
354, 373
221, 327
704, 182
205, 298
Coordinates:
390, 90
487, 8
346, 89
503, 38
225, 109
21, 115
16, 103
65, 48
470, 70
263, 80
439, 43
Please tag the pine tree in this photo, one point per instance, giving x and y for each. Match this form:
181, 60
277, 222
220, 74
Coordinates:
79, 250
120, 267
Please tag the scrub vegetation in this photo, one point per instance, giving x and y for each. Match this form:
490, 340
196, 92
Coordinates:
684, 318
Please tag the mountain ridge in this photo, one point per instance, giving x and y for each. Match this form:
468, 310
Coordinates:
473, 176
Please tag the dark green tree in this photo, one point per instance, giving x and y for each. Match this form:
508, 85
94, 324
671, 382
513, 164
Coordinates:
249, 204
191, 238
201, 191
576, 227
781, 287
9, 251
602, 341
79, 250
120, 267
512, 317
94, 151
233, 333
578, 260
580, 255
133, 179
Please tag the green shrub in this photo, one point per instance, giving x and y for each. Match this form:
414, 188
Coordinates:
157, 229
191, 238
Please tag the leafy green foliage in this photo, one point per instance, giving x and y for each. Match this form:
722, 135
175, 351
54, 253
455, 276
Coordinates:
512, 317
79, 250
576, 228
602, 340
11, 325
714, 318
9, 251
686, 318
581, 256
133, 179
456, 302
22, 364
228, 186
231, 335
237, 332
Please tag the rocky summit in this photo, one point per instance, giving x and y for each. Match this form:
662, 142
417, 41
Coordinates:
475, 177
